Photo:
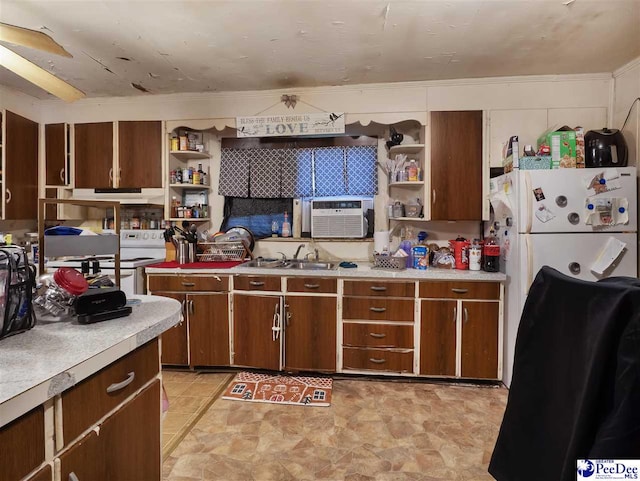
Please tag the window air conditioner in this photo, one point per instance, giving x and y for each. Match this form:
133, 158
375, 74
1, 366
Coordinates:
336, 217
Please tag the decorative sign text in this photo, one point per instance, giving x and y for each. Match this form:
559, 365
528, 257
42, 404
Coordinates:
285, 125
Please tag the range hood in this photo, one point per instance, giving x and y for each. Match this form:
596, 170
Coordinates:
124, 196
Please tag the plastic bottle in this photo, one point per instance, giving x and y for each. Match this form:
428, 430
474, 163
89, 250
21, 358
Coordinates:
286, 227
475, 256
491, 253
412, 171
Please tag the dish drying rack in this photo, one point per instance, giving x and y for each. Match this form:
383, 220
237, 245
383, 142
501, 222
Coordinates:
389, 263
223, 251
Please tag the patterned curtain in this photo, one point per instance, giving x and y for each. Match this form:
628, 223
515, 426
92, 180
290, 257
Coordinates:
329, 172
298, 172
362, 171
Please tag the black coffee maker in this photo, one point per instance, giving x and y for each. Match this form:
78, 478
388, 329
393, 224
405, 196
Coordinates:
605, 148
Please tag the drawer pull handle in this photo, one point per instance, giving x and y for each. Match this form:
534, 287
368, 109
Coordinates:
377, 361
116, 386
460, 291
378, 288
378, 309
189, 284
312, 286
73, 477
377, 335
256, 283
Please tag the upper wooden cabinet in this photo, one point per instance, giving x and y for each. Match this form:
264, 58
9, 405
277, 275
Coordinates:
56, 154
140, 154
20, 167
456, 165
138, 163
93, 155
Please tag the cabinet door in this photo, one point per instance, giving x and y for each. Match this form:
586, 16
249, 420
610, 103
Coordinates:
131, 439
480, 339
55, 136
85, 459
310, 333
438, 338
93, 155
22, 445
253, 342
140, 154
43, 474
456, 165
208, 329
21, 173
175, 350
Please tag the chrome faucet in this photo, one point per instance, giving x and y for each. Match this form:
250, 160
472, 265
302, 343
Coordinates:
295, 256
314, 253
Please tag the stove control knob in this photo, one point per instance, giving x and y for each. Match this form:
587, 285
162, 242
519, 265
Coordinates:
153, 235
145, 236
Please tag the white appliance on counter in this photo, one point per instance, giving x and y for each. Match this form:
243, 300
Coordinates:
138, 248
582, 222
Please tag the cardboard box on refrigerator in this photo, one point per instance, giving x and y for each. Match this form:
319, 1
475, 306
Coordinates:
563, 147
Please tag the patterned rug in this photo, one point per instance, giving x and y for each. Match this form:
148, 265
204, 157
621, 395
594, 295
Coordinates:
280, 389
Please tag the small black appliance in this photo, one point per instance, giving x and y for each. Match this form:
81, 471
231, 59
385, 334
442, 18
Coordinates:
605, 148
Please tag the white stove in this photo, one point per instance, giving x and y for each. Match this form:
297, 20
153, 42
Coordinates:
138, 248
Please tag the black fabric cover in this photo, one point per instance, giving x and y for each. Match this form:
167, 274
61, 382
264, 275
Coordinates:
575, 390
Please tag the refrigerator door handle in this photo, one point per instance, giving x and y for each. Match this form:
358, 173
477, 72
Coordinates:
527, 194
529, 274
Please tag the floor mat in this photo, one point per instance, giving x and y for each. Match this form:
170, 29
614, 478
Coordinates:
280, 389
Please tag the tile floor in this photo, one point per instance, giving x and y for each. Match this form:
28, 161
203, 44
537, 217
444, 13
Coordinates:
190, 394
373, 430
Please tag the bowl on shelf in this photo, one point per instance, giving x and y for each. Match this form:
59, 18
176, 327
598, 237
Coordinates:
412, 210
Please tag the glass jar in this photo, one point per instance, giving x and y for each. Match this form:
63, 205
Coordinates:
60, 292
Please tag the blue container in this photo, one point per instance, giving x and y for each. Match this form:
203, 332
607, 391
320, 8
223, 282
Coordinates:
420, 257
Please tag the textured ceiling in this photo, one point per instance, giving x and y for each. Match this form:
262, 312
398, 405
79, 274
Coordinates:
205, 46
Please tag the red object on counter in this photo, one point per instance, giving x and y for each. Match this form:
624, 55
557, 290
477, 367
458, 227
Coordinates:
460, 248
71, 280
196, 265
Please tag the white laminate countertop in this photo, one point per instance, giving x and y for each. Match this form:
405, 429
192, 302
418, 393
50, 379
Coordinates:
52, 357
364, 270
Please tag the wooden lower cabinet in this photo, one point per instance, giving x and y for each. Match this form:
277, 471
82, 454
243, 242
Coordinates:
44, 474
438, 338
310, 333
477, 323
208, 329
22, 445
480, 339
255, 344
202, 336
120, 450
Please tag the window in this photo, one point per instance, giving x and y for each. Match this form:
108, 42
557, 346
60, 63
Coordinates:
238, 389
260, 177
318, 395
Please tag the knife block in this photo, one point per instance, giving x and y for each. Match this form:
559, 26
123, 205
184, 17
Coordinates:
170, 252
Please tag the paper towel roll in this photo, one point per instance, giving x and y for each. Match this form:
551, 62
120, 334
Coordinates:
381, 241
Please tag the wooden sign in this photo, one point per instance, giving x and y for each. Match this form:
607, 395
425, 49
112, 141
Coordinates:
289, 125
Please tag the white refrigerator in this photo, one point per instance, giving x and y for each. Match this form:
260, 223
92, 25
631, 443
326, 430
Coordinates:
582, 222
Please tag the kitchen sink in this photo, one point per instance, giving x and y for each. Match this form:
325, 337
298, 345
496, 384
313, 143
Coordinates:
264, 262
297, 264
309, 265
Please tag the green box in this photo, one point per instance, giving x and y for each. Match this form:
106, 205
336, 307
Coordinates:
563, 147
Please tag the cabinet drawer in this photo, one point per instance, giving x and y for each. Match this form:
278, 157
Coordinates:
379, 288
377, 309
460, 290
94, 397
378, 335
377, 360
256, 283
311, 284
188, 283
22, 445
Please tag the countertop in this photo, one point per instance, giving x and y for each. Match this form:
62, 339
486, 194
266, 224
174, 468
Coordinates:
364, 270
52, 357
